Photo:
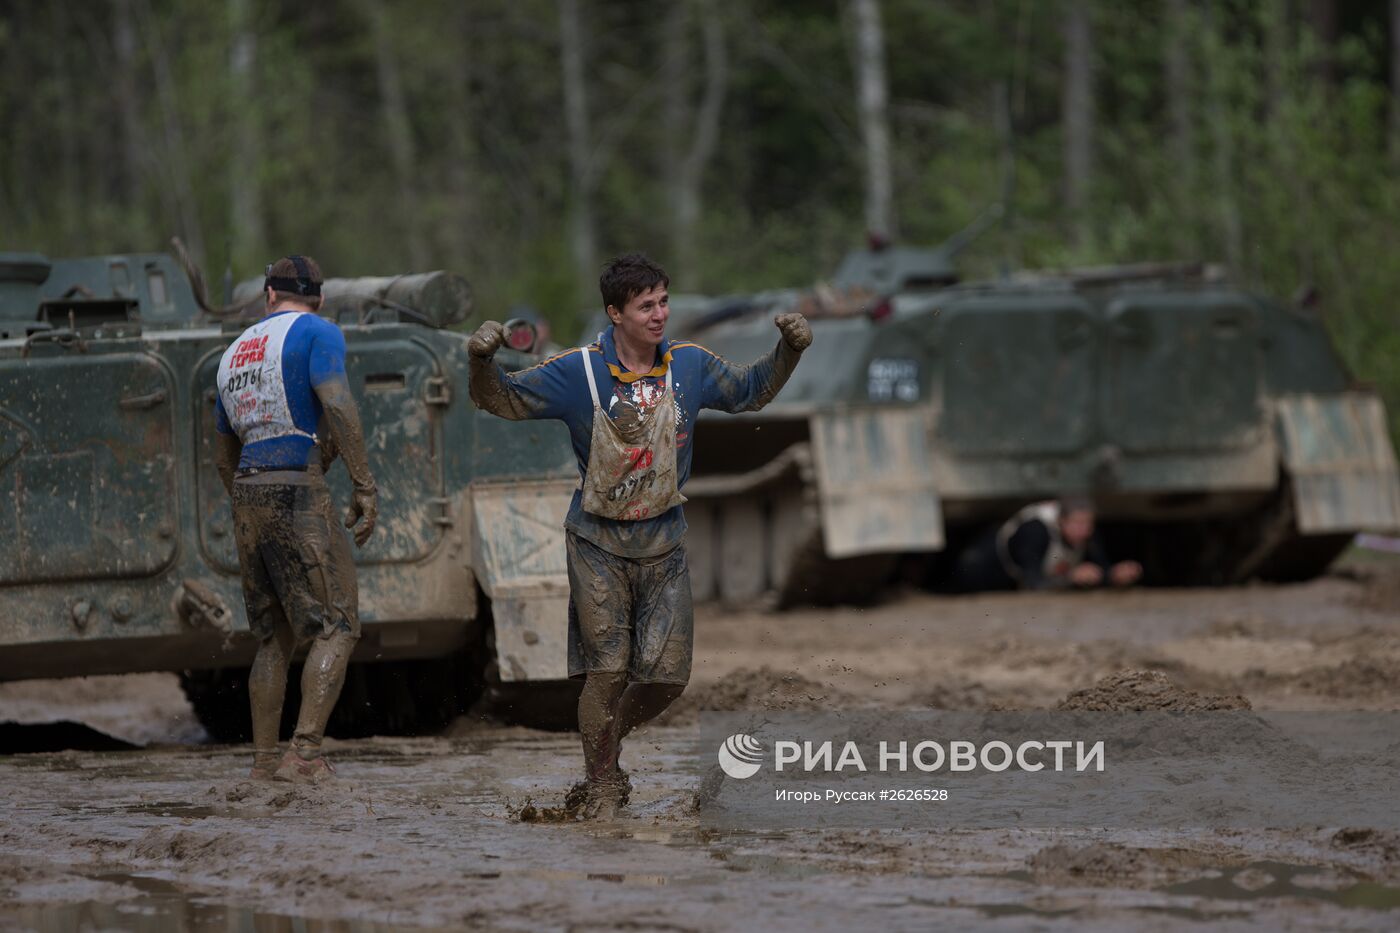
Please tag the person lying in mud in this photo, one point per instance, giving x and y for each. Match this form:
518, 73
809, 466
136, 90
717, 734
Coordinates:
630, 400
284, 411
1047, 545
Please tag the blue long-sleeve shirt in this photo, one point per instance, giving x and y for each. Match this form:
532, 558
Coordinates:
558, 389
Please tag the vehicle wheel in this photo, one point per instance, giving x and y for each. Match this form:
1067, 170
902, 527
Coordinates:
1303, 558
818, 580
549, 704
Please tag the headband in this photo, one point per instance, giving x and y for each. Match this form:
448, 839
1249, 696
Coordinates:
301, 285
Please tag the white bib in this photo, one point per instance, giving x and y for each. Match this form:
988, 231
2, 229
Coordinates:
250, 381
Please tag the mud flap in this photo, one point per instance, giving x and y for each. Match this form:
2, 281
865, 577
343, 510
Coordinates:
874, 482
1337, 450
518, 551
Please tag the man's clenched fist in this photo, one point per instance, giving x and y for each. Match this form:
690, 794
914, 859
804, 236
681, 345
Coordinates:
488, 339
797, 333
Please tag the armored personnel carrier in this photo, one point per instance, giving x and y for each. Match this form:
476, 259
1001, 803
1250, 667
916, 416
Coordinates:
1216, 428
116, 543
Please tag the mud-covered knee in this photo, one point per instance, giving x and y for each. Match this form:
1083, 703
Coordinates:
339, 643
609, 682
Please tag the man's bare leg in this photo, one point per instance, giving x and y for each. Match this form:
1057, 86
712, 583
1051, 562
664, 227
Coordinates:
642, 703
267, 688
322, 678
598, 709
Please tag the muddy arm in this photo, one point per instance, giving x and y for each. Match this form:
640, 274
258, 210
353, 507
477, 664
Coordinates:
325, 444
227, 451
750, 388
783, 360
492, 391
347, 437
532, 393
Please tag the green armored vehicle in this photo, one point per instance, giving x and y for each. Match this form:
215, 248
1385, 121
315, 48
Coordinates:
1217, 430
116, 543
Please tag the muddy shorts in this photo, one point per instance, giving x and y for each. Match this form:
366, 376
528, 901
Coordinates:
296, 561
629, 614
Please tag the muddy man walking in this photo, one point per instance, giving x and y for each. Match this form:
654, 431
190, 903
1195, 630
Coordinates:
284, 411
630, 400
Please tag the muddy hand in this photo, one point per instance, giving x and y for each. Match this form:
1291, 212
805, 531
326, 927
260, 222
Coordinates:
487, 339
797, 334
365, 511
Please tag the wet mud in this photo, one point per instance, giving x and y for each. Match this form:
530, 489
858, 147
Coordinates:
428, 832
1382, 586
1144, 691
761, 689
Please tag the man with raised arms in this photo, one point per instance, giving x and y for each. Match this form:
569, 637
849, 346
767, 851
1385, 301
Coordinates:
630, 400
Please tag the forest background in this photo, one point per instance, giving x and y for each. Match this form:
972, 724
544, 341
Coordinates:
743, 143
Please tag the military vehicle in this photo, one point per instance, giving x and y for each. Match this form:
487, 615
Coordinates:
1216, 428
116, 544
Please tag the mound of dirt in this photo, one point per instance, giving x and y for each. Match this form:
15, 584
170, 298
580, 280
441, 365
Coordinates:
1112, 864
1382, 590
756, 689
1142, 691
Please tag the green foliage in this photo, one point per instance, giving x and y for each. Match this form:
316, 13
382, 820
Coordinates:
122, 127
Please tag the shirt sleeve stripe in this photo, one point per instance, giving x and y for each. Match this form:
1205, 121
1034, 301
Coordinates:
557, 356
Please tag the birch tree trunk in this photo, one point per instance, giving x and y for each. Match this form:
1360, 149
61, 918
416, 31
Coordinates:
402, 152
872, 98
1006, 145
1223, 146
69, 198
178, 192
582, 234
1078, 116
1180, 90
675, 118
124, 42
245, 203
1395, 80
462, 167
704, 140
1322, 16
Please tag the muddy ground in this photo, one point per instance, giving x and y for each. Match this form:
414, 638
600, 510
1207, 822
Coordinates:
423, 832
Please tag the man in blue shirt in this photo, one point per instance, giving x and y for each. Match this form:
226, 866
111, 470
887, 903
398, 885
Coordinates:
284, 411
630, 400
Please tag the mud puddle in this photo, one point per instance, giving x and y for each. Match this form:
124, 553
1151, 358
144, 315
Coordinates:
418, 831
1261, 880
156, 905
